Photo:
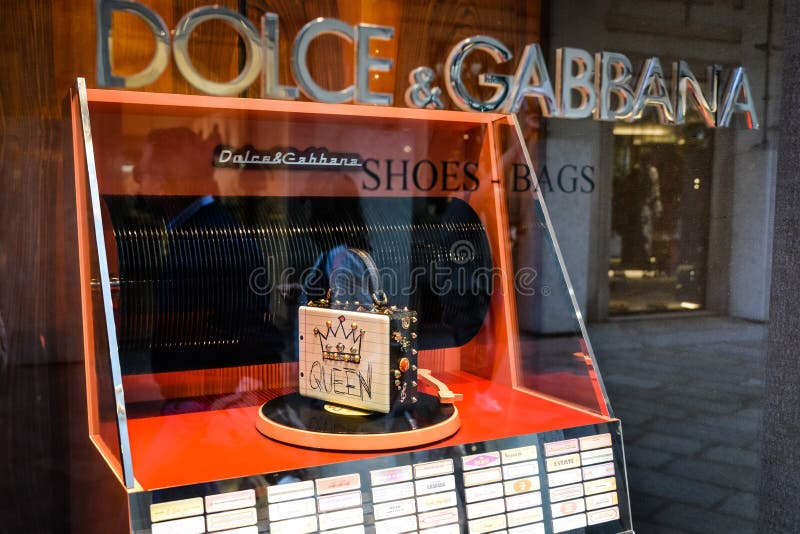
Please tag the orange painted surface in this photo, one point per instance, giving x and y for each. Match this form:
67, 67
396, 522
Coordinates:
200, 105
214, 445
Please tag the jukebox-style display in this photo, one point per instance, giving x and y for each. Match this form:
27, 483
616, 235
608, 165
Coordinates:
303, 317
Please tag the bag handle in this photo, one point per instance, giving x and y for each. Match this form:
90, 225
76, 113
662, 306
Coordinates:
373, 276
377, 294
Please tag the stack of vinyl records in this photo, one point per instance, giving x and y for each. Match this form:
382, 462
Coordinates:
216, 281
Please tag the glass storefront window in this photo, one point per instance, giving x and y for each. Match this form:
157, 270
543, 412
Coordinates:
660, 218
654, 222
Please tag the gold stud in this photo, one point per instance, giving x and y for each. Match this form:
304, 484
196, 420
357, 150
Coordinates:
413, 335
328, 324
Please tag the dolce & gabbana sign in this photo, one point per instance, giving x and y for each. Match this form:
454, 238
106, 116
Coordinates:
602, 86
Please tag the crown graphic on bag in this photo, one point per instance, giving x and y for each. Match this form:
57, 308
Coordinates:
339, 351
357, 354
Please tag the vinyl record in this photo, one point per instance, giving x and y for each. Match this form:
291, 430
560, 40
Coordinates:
307, 414
189, 299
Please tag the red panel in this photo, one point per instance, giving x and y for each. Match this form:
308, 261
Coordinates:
214, 445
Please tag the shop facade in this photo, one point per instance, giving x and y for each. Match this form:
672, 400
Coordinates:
706, 243
654, 220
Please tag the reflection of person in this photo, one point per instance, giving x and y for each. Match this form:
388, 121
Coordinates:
346, 274
639, 199
203, 309
171, 157
651, 209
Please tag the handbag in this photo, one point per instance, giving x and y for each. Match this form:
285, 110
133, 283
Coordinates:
358, 354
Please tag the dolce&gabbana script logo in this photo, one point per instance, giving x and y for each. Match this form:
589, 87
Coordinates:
248, 157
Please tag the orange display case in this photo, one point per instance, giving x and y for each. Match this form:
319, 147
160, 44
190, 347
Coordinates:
181, 357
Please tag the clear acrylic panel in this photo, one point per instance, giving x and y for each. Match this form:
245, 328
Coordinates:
556, 355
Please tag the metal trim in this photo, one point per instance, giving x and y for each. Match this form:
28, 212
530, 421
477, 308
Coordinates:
105, 287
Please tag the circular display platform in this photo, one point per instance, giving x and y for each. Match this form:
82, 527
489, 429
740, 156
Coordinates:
306, 422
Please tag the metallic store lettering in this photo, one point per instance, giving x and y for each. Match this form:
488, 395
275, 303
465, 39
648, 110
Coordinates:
613, 76
613, 97
455, 84
604, 87
308, 33
309, 158
367, 63
270, 88
574, 68
532, 80
651, 90
687, 85
254, 53
420, 94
